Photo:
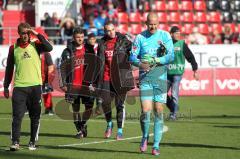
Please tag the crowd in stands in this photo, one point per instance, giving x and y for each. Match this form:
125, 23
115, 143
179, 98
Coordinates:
94, 13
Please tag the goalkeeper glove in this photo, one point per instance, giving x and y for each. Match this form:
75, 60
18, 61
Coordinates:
149, 59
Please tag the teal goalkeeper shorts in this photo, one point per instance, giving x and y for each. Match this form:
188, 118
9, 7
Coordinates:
153, 91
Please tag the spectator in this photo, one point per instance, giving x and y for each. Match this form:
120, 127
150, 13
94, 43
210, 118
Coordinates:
89, 26
131, 5
55, 19
197, 38
215, 37
49, 24
227, 35
100, 21
112, 14
67, 25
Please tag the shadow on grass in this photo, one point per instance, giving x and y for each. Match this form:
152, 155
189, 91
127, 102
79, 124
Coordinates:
51, 135
193, 145
89, 149
23, 155
228, 126
218, 116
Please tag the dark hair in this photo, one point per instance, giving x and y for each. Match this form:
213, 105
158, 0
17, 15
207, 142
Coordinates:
108, 23
174, 29
78, 30
23, 25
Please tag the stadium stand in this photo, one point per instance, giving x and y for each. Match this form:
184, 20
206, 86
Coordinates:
206, 15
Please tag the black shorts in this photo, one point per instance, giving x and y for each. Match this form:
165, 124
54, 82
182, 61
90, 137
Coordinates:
84, 99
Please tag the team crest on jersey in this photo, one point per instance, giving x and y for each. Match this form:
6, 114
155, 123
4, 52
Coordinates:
26, 55
134, 48
160, 42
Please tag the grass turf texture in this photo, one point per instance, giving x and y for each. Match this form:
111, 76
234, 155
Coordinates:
208, 127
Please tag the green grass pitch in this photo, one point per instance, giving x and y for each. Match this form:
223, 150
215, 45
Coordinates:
208, 127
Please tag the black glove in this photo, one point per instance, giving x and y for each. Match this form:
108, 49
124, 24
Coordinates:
161, 51
47, 88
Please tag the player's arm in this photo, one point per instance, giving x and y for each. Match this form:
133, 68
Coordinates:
169, 56
134, 53
191, 59
65, 59
51, 67
43, 45
9, 71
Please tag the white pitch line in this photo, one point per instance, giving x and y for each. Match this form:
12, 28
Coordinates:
165, 129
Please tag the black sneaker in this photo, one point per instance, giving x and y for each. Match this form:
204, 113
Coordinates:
46, 111
84, 130
15, 146
31, 146
50, 112
79, 135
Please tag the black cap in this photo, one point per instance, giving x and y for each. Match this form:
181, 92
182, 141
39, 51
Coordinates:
91, 35
174, 29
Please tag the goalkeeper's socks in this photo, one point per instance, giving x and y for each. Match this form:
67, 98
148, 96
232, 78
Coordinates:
109, 124
145, 123
120, 131
158, 129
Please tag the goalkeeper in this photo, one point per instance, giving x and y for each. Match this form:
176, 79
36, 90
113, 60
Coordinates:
151, 52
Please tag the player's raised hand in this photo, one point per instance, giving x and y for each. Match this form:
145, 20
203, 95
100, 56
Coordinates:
32, 31
6, 93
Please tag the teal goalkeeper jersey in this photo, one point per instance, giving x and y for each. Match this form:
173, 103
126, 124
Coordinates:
147, 43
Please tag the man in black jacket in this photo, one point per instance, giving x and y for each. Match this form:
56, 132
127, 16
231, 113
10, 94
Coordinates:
76, 71
176, 70
115, 77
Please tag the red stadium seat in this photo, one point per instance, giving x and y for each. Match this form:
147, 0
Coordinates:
135, 28
199, 5
123, 28
160, 5
163, 27
172, 5
216, 26
187, 17
214, 17
173, 17
187, 28
135, 17
144, 17
122, 17
186, 6
200, 17
162, 17
203, 28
